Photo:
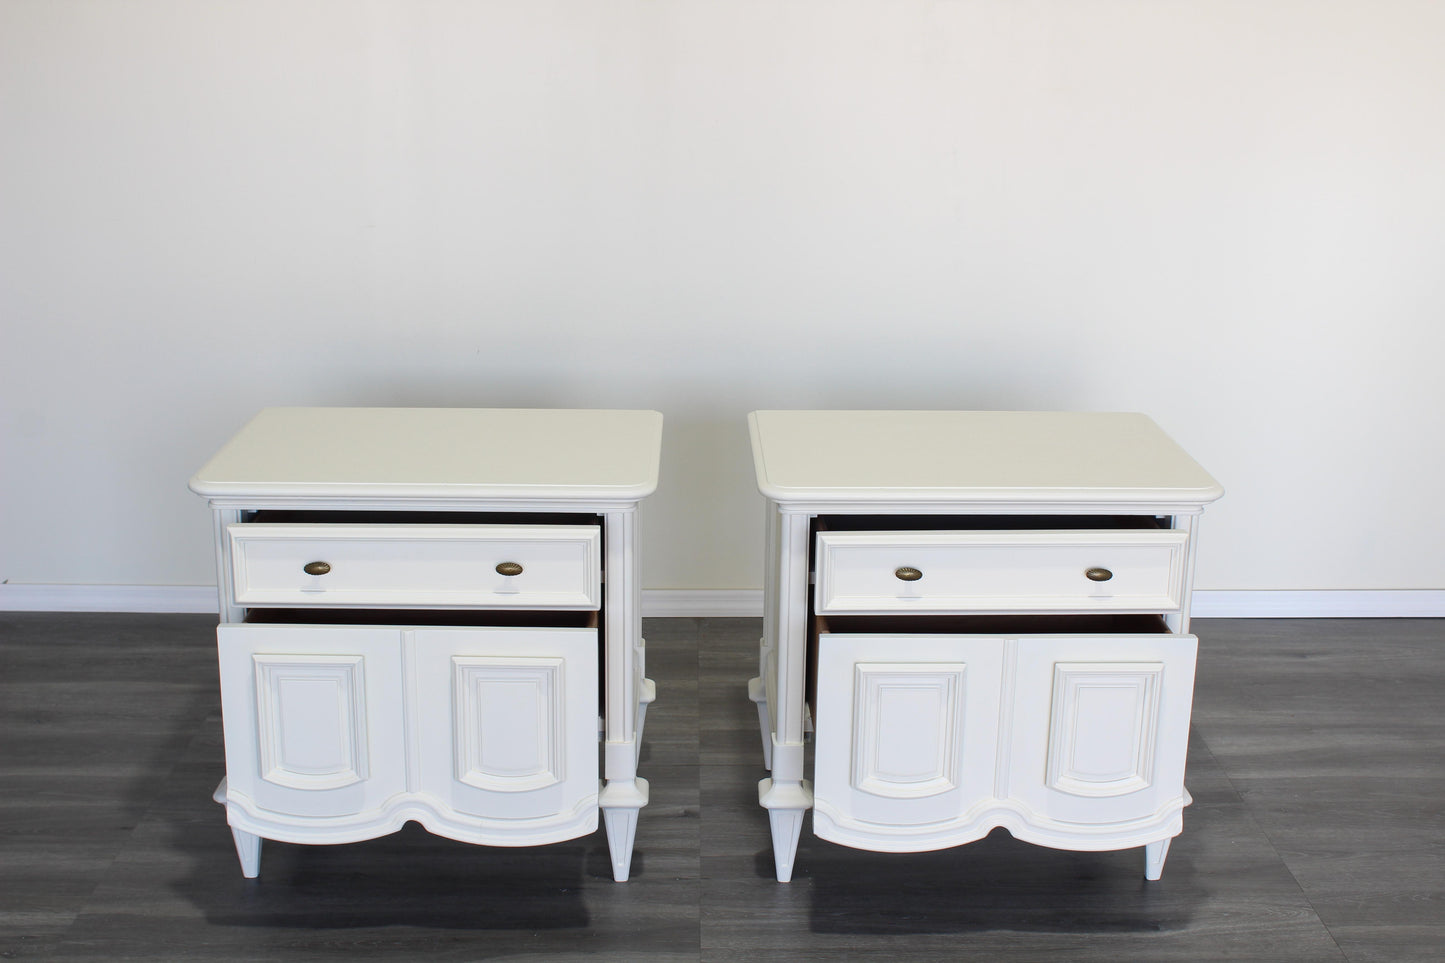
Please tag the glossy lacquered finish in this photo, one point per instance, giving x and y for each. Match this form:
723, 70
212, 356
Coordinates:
415, 622
983, 616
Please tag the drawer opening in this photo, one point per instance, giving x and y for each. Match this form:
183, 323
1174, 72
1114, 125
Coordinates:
1109, 624
279, 516
983, 523
440, 617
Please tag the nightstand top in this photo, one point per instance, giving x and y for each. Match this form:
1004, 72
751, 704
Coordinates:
440, 453
973, 458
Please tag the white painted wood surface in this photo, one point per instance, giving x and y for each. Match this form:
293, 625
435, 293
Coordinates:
492, 453
317, 746
929, 738
1022, 460
486, 733
418, 566
981, 572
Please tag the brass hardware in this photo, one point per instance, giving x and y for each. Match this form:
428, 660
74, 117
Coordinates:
316, 568
509, 568
1098, 575
908, 574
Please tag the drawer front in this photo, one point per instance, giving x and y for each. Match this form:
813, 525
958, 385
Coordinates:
417, 566
940, 573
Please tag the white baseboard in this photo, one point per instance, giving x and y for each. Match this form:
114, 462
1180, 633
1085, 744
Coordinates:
1320, 604
32, 597
748, 603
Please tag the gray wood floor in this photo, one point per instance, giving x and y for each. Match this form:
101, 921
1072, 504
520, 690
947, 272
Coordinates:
1317, 831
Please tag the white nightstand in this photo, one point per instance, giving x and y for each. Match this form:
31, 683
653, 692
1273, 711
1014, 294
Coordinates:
431, 614
984, 617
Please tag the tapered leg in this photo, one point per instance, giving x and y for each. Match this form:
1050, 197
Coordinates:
626, 694
787, 795
248, 848
1154, 856
786, 803
620, 804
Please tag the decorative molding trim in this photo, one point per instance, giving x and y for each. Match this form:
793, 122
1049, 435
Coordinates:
748, 603
891, 706
287, 689
1090, 698
521, 749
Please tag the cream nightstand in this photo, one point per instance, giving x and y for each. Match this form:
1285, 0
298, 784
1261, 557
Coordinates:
431, 615
983, 617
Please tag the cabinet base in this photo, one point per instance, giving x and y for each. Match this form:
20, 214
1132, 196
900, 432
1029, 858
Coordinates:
250, 829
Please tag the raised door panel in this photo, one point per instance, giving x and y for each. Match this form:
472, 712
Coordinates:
510, 720
312, 718
1100, 728
906, 728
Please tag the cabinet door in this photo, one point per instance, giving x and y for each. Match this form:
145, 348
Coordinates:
312, 718
1100, 729
906, 738
509, 717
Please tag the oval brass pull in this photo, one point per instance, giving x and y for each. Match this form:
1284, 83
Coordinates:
1098, 575
908, 574
509, 568
316, 568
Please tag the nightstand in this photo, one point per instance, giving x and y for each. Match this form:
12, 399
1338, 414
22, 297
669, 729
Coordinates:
983, 617
431, 614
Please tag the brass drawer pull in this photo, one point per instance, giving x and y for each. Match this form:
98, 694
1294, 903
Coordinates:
908, 574
1098, 575
316, 568
509, 568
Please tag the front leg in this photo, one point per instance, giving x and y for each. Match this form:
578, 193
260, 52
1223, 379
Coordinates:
248, 850
786, 797
620, 802
627, 692
1154, 855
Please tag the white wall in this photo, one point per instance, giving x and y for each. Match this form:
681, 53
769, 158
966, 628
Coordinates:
1230, 215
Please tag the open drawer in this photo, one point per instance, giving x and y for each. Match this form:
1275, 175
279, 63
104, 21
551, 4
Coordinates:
416, 565
961, 571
